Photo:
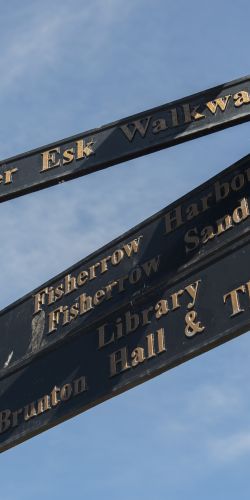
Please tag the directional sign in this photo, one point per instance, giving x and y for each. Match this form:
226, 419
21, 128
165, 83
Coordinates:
162, 249
206, 308
169, 289
143, 133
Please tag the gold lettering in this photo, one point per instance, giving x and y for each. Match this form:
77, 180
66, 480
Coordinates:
204, 201
50, 159
119, 328
80, 385
192, 325
151, 265
135, 275
84, 150
70, 284
66, 319
109, 288
234, 298
192, 211
43, 404
237, 182
102, 342
161, 308
118, 362
66, 392
224, 224
85, 302
145, 318
104, 266
221, 191
58, 292
175, 301
138, 125
15, 416
221, 102
120, 283
192, 239
82, 278
8, 175
161, 341
98, 297
240, 98
132, 322
51, 295
92, 269
132, 247
54, 318
117, 256
68, 156
242, 212
189, 114
173, 219
74, 311
159, 125
192, 290
29, 411
150, 345
174, 115
137, 356
5, 420
207, 234
35, 408
40, 300
54, 399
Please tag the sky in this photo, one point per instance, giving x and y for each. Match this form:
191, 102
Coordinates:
67, 67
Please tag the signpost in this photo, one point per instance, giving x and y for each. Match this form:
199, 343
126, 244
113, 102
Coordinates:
169, 289
185, 119
174, 324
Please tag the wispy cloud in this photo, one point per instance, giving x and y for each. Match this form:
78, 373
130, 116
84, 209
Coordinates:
58, 53
43, 41
29, 50
230, 448
213, 402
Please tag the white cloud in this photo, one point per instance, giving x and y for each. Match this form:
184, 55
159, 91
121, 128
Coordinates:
42, 43
231, 447
213, 402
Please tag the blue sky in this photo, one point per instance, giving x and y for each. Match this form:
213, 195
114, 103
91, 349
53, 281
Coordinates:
71, 66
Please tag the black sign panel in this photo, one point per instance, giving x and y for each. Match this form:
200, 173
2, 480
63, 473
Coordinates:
143, 133
172, 287
162, 249
174, 324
